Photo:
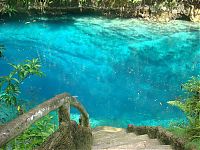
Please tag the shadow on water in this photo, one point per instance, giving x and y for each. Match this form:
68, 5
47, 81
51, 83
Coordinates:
51, 20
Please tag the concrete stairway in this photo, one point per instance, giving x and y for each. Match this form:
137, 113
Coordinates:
109, 138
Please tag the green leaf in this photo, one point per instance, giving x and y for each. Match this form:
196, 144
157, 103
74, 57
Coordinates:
178, 104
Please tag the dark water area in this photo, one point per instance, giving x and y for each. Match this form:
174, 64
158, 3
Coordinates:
122, 70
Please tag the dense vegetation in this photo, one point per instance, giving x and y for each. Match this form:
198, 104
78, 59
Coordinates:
156, 10
11, 6
9, 95
190, 105
27, 3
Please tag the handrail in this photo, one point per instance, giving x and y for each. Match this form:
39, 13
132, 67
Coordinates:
23, 122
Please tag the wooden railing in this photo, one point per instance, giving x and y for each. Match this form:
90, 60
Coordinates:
62, 102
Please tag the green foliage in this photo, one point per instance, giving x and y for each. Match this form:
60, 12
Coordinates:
182, 132
9, 10
191, 106
11, 4
173, 3
34, 136
195, 144
178, 131
26, 4
193, 86
135, 1
10, 90
10, 85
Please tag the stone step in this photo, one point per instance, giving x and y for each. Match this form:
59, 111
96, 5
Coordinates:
109, 138
135, 142
103, 136
111, 135
128, 147
134, 146
142, 147
121, 139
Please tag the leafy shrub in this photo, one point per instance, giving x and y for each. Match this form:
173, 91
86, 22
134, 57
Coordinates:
191, 106
9, 10
9, 92
10, 85
34, 136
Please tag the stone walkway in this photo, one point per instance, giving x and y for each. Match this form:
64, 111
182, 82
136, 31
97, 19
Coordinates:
109, 138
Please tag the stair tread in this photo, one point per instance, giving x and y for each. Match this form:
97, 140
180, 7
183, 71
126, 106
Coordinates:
146, 143
126, 139
134, 147
124, 136
110, 138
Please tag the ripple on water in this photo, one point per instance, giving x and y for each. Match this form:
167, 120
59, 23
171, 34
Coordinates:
122, 70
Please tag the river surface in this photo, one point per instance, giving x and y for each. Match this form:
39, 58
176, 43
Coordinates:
122, 70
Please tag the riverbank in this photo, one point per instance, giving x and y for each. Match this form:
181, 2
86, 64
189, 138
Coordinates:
156, 10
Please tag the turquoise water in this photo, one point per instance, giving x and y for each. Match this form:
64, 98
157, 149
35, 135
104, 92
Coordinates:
122, 70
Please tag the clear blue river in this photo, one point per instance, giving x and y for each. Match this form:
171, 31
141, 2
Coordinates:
122, 70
